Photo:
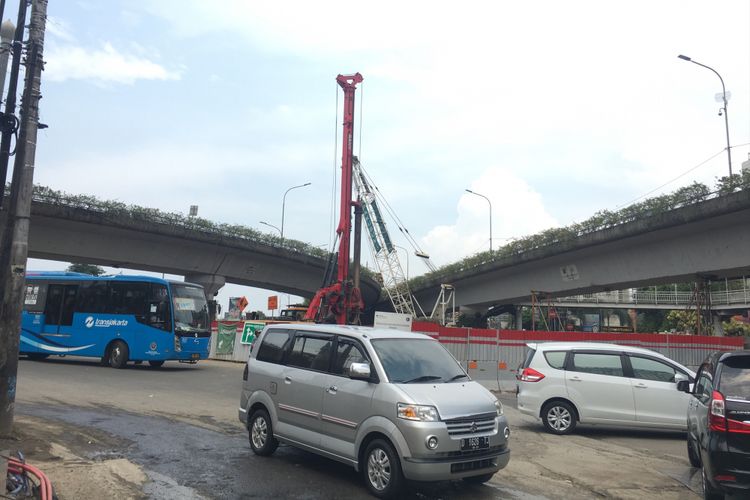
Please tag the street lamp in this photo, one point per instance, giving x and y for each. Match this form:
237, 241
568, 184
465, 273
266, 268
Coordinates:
490, 203
271, 225
283, 205
724, 109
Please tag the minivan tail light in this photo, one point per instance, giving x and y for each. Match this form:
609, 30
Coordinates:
717, 418
531, 375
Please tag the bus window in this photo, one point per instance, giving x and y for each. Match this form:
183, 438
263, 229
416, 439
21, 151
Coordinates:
93, 297
129, 298
60, 305
34, 297
158, 307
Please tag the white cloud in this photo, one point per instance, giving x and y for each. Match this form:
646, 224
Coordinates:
59, 28
104, 65
517, 210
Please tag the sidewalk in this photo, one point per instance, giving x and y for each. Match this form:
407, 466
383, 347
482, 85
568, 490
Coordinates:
78, 461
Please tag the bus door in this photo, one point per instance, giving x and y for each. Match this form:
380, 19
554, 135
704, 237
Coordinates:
58, 312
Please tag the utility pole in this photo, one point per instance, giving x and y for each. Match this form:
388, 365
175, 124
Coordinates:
8, 120
15, 242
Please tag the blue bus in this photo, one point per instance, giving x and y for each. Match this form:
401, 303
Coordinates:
115, 318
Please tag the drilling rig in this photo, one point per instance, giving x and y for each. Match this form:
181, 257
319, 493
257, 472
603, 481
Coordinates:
339, 300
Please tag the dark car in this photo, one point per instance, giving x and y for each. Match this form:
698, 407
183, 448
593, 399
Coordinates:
718, 438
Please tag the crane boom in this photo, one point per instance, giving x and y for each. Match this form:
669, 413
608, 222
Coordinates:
341, 302
383, 250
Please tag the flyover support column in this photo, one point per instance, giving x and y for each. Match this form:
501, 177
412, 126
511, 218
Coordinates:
519, 318
211, 284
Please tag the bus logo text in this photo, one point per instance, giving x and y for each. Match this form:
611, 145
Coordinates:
104, 323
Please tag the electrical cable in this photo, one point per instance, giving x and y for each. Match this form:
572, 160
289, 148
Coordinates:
671, 181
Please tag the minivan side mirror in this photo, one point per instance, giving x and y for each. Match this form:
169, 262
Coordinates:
359, 371
683, 385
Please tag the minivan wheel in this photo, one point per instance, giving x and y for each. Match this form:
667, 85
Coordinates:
261, 434
382, 469
695, 459
559, 417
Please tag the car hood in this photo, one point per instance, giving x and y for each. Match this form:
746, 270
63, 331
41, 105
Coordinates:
452, 400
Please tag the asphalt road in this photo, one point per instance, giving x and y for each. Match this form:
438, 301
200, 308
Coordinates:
179, 424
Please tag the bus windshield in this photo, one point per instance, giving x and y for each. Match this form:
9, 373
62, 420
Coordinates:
190, 309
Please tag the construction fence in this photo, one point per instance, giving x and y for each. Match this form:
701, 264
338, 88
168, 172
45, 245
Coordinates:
493, 356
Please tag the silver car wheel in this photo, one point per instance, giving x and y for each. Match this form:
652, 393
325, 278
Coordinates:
559, 418
259, 433
379, 469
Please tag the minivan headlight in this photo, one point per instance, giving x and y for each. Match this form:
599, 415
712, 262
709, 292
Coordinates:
498, 407
418, 412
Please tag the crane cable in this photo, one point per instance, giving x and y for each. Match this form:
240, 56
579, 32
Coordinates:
399, 223
334, 184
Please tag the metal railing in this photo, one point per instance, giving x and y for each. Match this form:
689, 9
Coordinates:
657, 297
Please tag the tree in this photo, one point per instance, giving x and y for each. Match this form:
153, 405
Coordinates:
85, 268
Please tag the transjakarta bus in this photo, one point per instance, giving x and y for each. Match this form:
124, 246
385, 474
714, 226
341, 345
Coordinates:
115, 318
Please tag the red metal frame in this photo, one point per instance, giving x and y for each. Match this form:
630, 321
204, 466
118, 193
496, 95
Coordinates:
342, 300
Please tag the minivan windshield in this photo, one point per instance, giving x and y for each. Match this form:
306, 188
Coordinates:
417, 361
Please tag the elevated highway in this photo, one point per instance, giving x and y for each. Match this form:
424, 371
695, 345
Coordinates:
87, 232
707, 240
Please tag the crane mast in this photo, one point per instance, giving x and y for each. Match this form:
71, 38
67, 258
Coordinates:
341, 301
386, 256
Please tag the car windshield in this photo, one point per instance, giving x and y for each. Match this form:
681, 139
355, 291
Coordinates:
190, 308
735, 378
417, 361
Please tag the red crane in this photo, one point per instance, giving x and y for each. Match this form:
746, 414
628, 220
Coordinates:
340, 301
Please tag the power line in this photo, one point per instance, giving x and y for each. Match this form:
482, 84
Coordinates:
671, 181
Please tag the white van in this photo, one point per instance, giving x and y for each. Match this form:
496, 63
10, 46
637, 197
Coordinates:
568, 382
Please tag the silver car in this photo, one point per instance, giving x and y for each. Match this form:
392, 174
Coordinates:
394, 405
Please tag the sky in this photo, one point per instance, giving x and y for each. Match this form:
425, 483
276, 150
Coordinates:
552, 110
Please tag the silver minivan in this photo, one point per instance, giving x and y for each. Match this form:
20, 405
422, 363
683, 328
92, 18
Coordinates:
394, 405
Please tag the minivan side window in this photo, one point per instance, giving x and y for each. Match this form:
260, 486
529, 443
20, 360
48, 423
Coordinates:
347, 352
311, 352
273, 345
556, 359
600, 364
650, 369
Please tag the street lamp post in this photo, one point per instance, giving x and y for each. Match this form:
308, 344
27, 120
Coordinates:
724, 109
271, 225
283, 205
490, 203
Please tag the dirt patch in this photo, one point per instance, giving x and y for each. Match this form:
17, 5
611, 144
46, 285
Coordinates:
81, 463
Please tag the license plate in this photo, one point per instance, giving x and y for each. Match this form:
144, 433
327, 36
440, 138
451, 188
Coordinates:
475, 443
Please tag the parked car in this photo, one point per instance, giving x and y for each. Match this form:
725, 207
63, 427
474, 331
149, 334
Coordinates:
393, 405
718, 418
564, 383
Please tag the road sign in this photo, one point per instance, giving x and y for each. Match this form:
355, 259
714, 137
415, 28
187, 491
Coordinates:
273, 302
250, 331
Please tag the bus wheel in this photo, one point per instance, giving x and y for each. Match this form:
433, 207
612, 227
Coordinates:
118, 354
156, 364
